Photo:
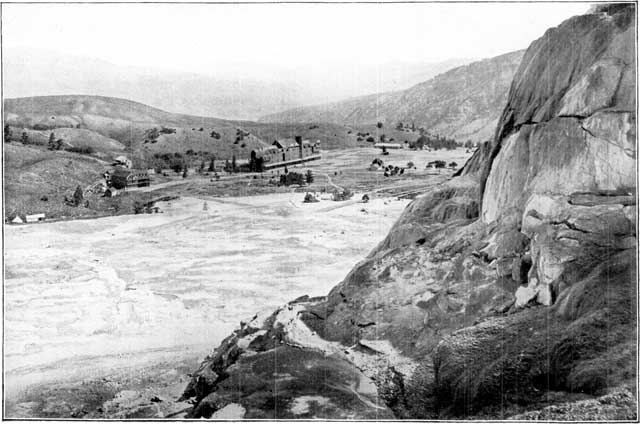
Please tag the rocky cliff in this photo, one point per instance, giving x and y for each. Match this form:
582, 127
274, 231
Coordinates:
463, 103
510, 291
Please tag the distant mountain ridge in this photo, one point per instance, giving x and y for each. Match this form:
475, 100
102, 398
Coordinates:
464, 103
245, 92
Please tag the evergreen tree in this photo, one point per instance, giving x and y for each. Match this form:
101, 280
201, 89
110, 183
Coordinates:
309, 176
52, 141
202, 166
25, 138
233, 163
212, 167
78, 196
7, 134
185, 171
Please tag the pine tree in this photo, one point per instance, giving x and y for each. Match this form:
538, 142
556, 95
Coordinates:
7, 134
212, 167
202, 166
233, 163
309, 176
25, 138
185, 171
78, 196
52, 141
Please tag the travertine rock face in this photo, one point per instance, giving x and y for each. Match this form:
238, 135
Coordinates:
569, 122
513, 284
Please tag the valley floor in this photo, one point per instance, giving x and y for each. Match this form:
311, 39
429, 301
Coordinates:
105, 317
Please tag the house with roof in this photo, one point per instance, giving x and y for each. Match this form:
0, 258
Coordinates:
284, 152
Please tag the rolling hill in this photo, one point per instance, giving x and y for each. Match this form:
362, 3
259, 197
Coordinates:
110, 125
463, 103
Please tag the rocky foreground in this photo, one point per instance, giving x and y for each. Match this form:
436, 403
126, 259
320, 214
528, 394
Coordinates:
509, 292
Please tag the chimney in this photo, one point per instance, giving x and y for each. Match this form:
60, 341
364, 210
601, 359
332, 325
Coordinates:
299, 141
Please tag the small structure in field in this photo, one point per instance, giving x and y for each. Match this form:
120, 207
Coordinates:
36, 217
111, 192
17, 220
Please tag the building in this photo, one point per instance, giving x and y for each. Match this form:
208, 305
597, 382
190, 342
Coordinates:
121, 178
388, 146
284, 152
111, 192
37, 217
17, 220
122, 161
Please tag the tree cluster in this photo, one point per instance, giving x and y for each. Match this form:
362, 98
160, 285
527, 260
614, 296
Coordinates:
433, 142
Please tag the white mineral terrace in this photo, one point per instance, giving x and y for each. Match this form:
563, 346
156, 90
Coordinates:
87, 296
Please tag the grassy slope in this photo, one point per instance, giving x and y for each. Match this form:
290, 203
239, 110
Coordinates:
128, 122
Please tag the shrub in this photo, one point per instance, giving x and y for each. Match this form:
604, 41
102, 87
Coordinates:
291, 178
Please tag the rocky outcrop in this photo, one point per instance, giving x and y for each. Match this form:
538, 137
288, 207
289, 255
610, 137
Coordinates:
570, 115
510, 288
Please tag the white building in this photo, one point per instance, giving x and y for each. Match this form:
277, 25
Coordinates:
35, 217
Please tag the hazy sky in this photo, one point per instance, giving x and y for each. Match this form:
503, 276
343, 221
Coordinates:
205, 37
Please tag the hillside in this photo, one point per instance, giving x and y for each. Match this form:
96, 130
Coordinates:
508, 291
110, 125
241, 93
463, 103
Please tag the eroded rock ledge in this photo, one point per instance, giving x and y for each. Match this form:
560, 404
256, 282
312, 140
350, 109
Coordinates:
509, 288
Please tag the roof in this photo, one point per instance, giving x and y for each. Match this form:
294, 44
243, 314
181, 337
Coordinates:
285, 143
392, 145
17, 220
35, 215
